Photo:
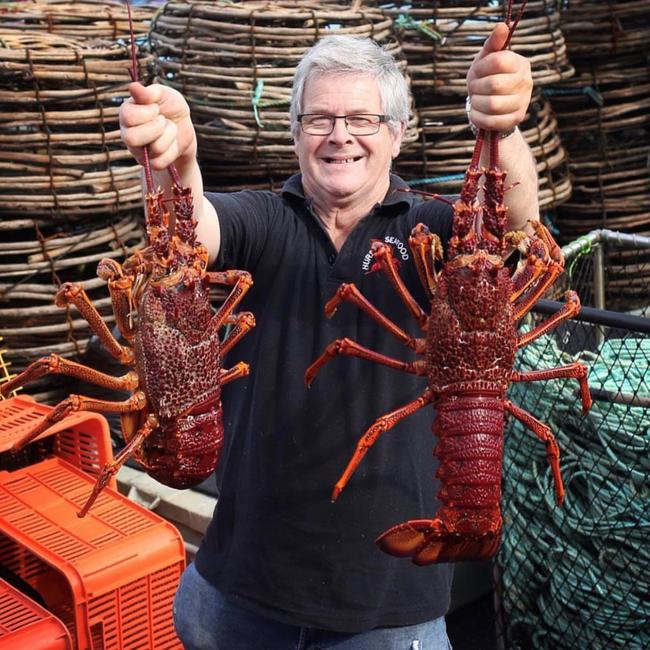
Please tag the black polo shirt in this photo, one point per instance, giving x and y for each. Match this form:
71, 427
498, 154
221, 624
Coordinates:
277, 545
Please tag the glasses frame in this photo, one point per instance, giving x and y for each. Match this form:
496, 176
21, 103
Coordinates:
382, 119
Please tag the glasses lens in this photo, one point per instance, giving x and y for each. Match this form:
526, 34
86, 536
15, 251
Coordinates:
317, 124
362, 124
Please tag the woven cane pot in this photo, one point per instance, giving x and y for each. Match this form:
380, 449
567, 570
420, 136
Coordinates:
604, 120
234, 62
446, 146
440, 41
61, 155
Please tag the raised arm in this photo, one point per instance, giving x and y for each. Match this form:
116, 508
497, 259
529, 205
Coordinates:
158, 117
499, 86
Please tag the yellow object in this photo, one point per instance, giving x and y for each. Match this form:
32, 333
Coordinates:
5, 375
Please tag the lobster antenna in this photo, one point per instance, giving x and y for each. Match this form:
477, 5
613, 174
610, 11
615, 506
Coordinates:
134, 77
431, 195
517, 19
494, 141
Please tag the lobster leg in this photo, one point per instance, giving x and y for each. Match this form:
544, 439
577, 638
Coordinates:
545, 434
544, 263
572, 371
381, 425
242, 323
349, 292
568, 310
427, 250
120, 286
56, 365
353, 349
240, 370
75, 403
242, 282
74, 293
383, 253
110, 469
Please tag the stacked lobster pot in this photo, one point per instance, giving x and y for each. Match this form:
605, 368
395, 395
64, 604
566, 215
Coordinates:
70, 191
235, 61
604, 117
440, 41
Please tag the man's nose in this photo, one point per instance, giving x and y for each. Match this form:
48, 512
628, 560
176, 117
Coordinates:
340, 131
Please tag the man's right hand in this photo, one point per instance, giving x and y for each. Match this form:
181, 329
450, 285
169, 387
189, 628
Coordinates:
158, 117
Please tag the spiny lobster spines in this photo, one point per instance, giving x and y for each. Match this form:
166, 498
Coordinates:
495, 213
467, 208
169, 253
492, 214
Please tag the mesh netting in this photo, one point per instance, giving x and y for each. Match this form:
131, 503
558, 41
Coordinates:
576, 576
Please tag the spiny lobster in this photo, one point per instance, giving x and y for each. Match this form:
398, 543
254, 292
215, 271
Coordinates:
172, 423
469, 353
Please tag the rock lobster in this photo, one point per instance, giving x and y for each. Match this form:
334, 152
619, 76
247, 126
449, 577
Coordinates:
172, 423
469, 352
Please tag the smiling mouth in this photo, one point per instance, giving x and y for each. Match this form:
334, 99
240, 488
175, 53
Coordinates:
341, 161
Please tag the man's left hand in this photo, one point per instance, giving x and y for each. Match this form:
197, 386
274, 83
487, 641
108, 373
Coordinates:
499, 85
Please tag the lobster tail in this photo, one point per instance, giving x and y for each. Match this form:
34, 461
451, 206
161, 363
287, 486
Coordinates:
468, 526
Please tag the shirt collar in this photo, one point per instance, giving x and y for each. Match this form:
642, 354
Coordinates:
293, 188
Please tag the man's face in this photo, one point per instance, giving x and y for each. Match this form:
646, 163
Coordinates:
340, 165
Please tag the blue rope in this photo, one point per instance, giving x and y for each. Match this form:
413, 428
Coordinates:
424, 26
257, 95
436, 179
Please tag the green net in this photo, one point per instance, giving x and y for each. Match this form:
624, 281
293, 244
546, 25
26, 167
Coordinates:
578, 576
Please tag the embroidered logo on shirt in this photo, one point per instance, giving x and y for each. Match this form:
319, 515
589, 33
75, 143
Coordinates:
400, 249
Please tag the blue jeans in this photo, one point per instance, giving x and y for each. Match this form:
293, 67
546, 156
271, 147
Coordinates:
204, 620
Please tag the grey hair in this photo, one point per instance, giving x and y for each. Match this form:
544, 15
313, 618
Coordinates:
343, 54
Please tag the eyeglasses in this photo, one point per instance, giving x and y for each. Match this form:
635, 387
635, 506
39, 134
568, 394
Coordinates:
360, 124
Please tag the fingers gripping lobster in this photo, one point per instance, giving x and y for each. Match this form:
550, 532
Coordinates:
468, 353
172, 423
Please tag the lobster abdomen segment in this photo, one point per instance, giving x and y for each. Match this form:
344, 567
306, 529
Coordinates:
185, 451
470, 450
469, 428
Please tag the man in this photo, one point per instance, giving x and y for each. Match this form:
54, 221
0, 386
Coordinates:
280, 565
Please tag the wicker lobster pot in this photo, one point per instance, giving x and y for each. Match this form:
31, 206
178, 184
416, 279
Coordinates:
34, 262
60, 150
86, 19
594, 28
234, 62
440, 40
446, 145
70, 192
604, 119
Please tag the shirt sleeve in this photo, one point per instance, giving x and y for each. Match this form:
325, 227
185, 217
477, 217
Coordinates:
245, 221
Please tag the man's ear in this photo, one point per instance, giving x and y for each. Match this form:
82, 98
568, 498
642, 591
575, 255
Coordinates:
397, 140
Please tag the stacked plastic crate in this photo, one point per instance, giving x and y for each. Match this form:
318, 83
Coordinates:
108, 578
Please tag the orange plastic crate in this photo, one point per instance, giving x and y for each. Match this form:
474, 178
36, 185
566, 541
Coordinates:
83, 439
109, 577
25, 625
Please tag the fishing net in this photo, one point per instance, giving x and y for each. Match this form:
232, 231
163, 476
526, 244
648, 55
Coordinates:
576, 576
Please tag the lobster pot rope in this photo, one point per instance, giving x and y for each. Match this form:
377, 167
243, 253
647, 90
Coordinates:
604, 121
440, 40
595, 28
235, 61
576, 576
446, 145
